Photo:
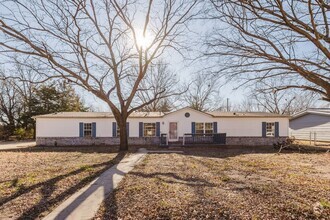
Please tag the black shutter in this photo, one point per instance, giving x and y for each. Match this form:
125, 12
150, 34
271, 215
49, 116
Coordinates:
114, 129
127, 128
215, 127
81, 129
140, 129
193, 128
277, 131
263, 129
157, 129
94, 129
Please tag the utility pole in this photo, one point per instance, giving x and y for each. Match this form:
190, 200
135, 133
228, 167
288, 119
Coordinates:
227, 104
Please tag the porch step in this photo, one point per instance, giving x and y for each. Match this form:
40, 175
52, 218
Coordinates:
175, 144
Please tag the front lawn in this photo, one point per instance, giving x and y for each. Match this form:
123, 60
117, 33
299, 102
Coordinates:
215, 183
34, 181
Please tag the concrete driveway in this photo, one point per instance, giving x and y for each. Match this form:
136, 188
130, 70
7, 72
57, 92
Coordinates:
16, 144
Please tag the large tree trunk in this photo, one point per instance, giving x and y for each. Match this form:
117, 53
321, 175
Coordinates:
121, 122
117, 48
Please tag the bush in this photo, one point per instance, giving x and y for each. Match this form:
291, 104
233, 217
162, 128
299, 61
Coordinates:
21, 133
2, 133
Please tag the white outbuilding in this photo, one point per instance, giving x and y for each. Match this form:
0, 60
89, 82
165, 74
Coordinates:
311, 124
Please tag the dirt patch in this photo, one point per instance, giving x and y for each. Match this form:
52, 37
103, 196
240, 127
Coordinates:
213, 183
34, 181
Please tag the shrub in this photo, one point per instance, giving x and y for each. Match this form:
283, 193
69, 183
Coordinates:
2, 132
22, 133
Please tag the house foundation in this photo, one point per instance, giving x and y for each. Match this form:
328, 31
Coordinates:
147, 141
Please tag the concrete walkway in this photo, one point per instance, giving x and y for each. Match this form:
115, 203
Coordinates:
9, 145
85, 203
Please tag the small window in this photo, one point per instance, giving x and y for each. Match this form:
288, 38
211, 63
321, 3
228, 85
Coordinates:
87, 129
208, 128
199, 128
149, 129
270, 129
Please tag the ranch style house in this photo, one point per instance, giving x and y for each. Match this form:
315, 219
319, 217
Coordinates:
185, 126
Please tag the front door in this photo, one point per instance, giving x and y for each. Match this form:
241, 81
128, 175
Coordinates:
173, 134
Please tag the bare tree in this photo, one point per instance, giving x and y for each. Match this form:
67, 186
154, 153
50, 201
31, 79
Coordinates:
160, 79
282, 39
279, 102
21, 98
15, 94
203, 93
10, 105
97, 45
248, 104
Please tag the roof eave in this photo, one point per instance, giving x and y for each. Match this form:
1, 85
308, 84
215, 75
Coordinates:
300, 114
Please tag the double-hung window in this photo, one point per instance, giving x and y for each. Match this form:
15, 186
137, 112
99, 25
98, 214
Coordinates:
270, 129
208, 128
149, 129
199, 128
87, 129
204, 128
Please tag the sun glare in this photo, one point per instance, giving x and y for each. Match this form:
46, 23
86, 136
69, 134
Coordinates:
143, 41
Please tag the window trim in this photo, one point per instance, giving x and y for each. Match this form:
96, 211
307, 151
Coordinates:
272, 132
204, 127
85, 130
212, 128
144, 129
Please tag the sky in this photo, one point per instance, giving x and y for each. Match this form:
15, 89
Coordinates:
184, 67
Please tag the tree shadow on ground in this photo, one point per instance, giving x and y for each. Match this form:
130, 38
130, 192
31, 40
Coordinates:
110, 204
245, 184
48, 187
233, 151
81, 149
174, 178
110, 207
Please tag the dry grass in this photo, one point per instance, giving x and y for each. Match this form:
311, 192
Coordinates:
324, 144
224, 184
33, 181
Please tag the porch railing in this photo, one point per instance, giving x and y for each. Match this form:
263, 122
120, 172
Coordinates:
163, 140
213, 138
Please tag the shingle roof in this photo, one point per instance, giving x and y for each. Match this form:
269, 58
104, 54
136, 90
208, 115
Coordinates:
245, 114
77, 115
98, 115
154, 114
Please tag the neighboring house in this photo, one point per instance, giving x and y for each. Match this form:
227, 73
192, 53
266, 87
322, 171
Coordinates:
91, 128
311, 123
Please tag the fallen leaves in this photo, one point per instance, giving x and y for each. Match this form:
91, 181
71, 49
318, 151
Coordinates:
227, 183
34, 181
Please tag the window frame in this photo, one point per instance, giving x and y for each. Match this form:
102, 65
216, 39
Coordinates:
270, 132
145, 132
205, 131
209, 130
89, 129
197, 130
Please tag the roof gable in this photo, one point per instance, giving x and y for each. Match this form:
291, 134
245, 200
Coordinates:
188, 109
314, 111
